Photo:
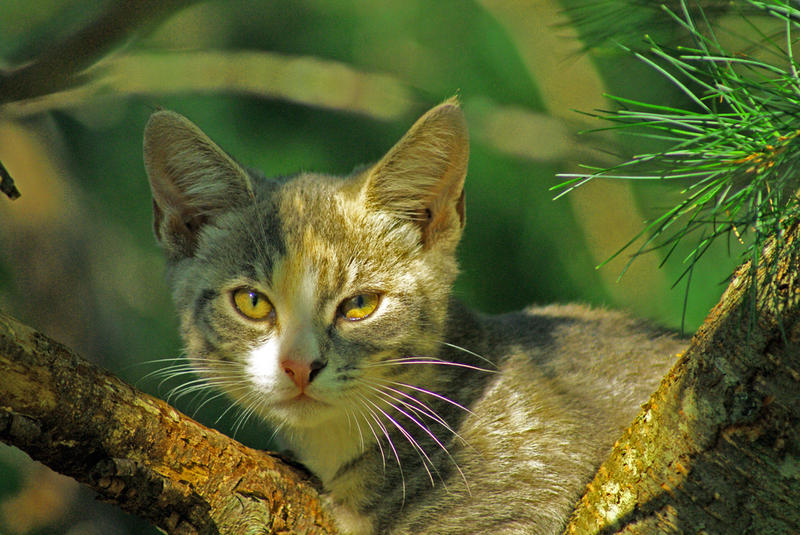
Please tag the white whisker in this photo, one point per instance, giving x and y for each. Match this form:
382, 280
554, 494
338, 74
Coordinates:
378, 442
352, 418
422, 360
428, 392
426, 461
250, 404
467, 351
364, 403
235, 404
417, 406
167, 372
177, 392
276, 431
208, 399
388, 398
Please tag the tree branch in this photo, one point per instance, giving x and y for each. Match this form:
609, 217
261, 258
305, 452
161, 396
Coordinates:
717, 448
56, 67
140, 453
7, 185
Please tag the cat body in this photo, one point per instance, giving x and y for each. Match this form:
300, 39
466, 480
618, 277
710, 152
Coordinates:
323, 305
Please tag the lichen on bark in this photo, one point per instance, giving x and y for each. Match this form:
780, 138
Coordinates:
717, 447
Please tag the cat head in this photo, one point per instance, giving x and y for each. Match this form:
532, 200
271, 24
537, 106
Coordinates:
295, 295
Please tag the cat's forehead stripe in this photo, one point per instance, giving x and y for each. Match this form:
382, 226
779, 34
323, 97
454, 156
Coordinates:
314, 233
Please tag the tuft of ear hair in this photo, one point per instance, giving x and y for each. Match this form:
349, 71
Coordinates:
192, 179
422, 177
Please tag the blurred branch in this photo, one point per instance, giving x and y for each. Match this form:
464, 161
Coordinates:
56, 68
523, 133
567, 81
138, 452
306, 80
312, 81
7, 184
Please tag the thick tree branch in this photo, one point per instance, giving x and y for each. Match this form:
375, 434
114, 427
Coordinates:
140, 453
717, 448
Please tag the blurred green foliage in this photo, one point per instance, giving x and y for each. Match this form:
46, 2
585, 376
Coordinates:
77, 257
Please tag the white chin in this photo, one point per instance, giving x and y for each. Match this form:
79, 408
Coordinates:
301, 411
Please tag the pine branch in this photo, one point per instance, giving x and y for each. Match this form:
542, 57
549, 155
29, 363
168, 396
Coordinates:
735, 148
138, 452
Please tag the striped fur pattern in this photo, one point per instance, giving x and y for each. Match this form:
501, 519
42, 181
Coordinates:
323, 305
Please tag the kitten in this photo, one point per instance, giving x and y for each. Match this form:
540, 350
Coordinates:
323, 305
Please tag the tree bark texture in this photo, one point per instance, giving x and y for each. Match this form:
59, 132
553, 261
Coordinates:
717, 448
140, 453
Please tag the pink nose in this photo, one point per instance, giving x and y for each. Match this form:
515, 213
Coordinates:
302, 373
298, 372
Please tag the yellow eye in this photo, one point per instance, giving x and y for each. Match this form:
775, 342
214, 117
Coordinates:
359, 306
252, 304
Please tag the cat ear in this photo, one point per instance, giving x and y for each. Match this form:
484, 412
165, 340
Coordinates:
192, 180
422, 177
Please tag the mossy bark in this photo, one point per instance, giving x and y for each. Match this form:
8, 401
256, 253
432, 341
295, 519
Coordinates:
140, 453
717, 447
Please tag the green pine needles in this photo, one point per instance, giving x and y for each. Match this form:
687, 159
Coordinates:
735, 146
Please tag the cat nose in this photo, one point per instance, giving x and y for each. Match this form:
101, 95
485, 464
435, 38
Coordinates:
302, 373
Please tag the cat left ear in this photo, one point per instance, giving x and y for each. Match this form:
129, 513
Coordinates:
422, 177
192, 179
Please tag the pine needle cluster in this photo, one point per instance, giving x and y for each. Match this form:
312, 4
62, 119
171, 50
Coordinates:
735, 147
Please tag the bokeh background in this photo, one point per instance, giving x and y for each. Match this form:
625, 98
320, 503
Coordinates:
292, 85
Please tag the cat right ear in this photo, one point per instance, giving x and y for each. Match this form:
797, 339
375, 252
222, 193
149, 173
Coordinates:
192, 179
421, 178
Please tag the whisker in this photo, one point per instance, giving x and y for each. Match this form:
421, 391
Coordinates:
276, 431
375, 418
177, 392
187, 368
165, 372
174, 374
199, 384
426, 460
430, 412
205, 388
468, 352
209, 398
234, 404
388, 397
422, 360
135, 365
352, 418
243, 406
252, 402
378, 442
189, 360
218, 378
418, 407
428, 392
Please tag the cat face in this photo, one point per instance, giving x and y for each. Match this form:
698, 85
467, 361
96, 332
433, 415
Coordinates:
300, 297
